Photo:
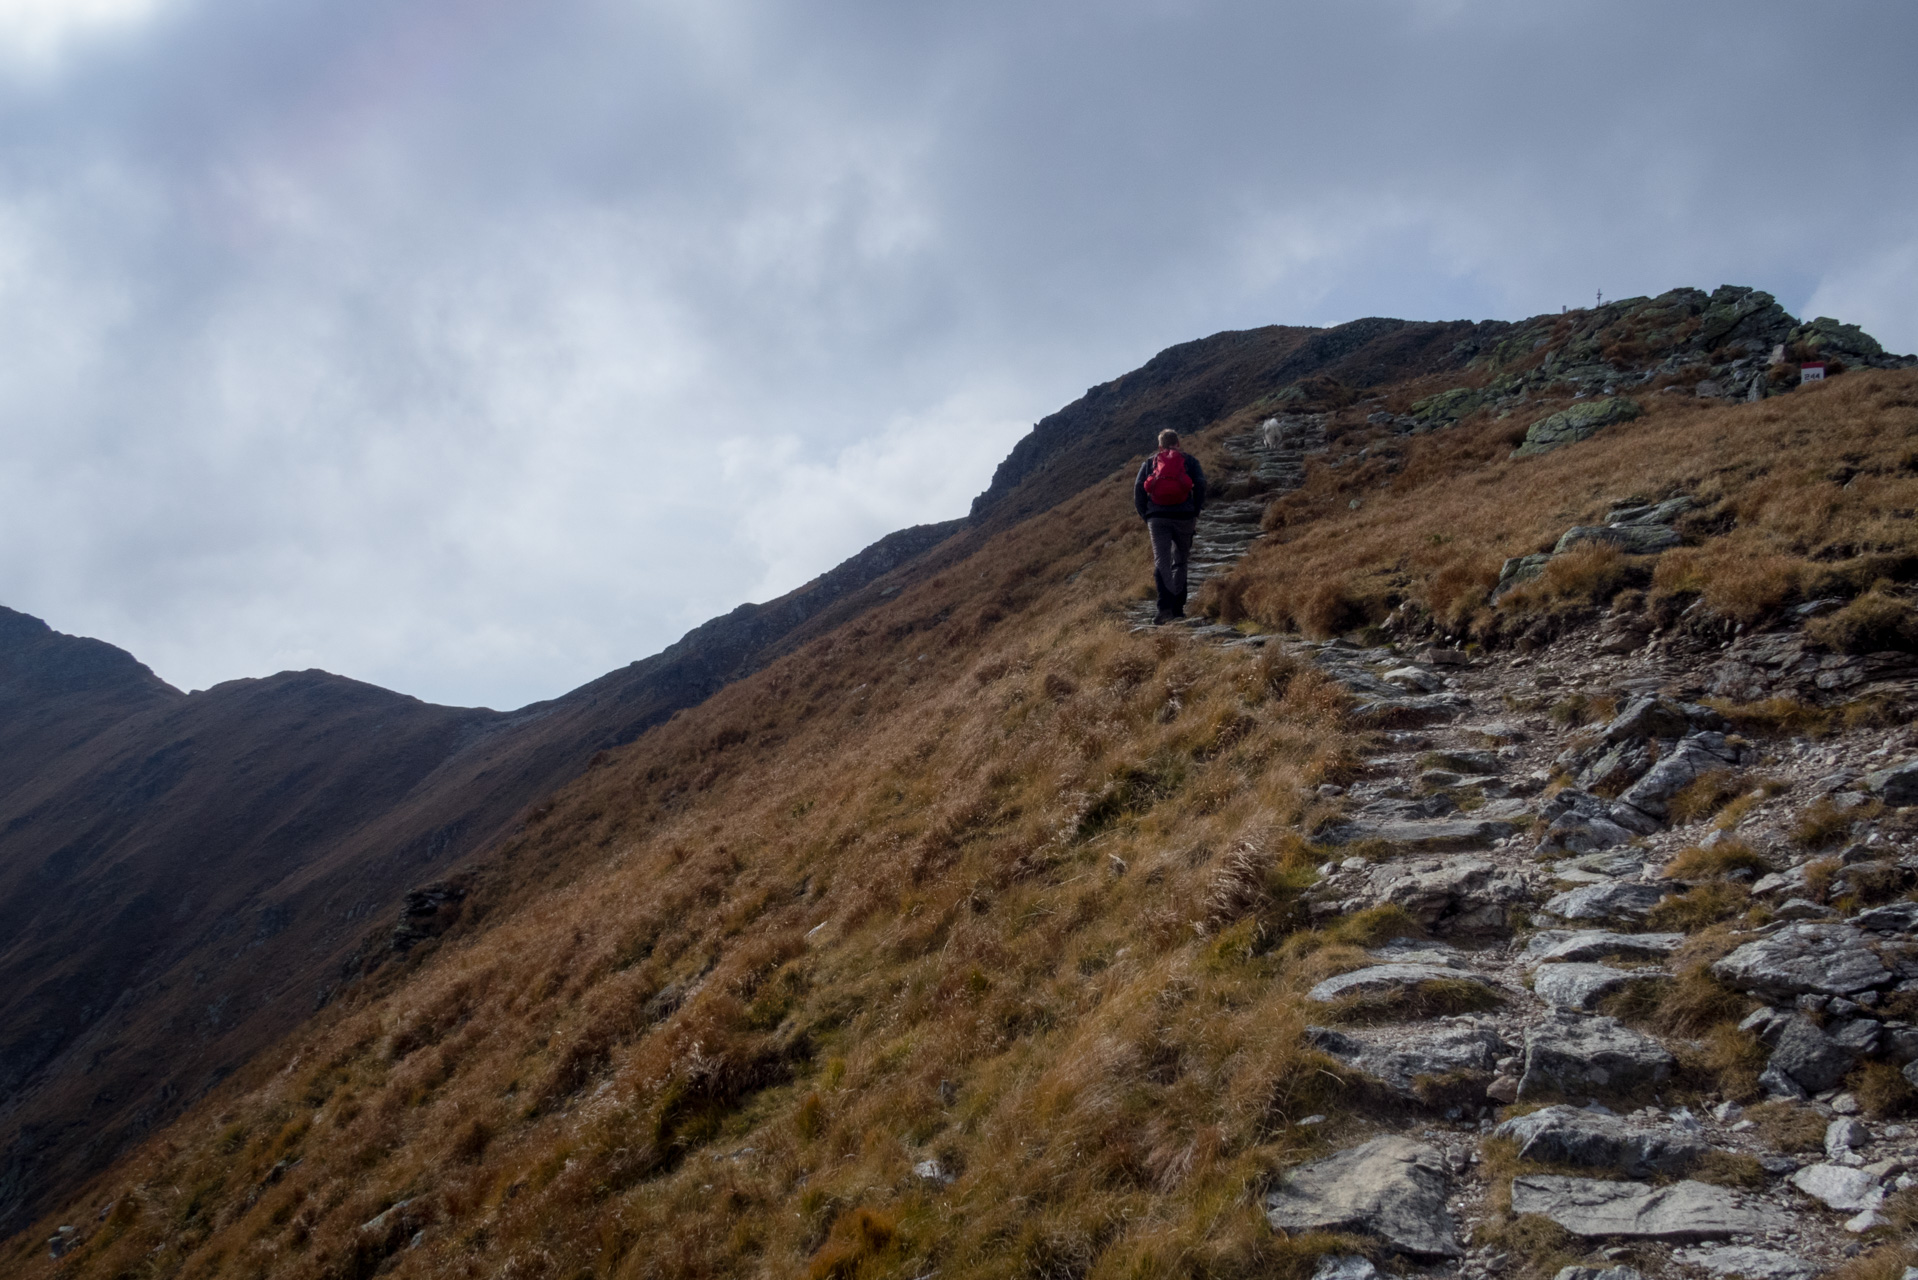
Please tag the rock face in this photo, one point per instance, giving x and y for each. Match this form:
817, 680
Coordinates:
1426, 836
1683, 1211
1632, 539
1800, 959
1391, 1189
1579, 422
1572, 1135
1571, 1054
1389, 980
1409, 1068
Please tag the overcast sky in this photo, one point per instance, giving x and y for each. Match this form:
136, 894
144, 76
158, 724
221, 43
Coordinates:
476, 347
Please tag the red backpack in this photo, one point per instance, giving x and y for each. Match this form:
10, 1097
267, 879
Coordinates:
1168, 485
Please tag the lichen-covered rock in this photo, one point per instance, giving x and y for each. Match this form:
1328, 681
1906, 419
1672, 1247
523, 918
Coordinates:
1575, 1136
1578, 1055
1579, 422
1391, 1189
1800, 959
1682, 1211
1750, 1262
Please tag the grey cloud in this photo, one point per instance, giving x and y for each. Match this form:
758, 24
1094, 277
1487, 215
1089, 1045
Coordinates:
474, 348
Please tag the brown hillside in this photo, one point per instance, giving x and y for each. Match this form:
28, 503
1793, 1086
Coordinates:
184, 879
974, 937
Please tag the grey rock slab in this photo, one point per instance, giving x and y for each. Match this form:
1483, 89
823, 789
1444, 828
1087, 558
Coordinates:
1391, 1189
1618, 900
1695, 754
1579, 422
1574, 1054
1632, 539
1840, 1187
1582, 986
1460, 895
1800, 959
1411, 1058
1440, 835
1620, 1272
1600, 944
1892, 918
1679, 1212
1389, 979
1575, 1136
1750, 1262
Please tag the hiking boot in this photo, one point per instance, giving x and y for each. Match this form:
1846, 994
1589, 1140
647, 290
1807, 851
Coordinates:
1160, 618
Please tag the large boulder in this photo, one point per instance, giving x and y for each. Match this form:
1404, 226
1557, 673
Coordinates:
1800, 959
1580, 422
1571, 1054
1680, 1212
1391, 1189
1425, 835
1418, 1067
1574, 1136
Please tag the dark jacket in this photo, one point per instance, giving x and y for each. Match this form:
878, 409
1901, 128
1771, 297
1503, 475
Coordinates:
1187, 510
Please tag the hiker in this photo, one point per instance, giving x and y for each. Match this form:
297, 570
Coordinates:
1170, 493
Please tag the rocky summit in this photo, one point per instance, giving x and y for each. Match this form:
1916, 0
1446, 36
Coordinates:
1508, 869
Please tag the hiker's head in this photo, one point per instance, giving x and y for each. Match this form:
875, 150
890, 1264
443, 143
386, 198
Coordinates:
1168, 439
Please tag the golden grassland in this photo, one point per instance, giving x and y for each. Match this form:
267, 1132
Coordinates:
1804, 496
982, 879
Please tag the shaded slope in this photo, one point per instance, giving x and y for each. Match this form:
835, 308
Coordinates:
183, 878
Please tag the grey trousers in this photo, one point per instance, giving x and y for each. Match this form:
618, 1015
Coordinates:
1171, 549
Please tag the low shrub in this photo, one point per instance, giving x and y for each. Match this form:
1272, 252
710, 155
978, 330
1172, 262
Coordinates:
1720, 860
1873, 623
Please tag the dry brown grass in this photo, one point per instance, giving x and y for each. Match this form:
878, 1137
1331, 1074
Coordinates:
1720, 860
1775, 523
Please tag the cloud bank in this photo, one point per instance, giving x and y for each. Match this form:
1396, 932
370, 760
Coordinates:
475, 348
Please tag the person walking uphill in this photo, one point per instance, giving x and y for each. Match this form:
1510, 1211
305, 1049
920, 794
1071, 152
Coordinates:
1170, 493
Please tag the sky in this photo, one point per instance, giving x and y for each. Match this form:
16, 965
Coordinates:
474, 347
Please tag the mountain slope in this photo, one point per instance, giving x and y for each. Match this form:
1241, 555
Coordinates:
980, 933
184, 878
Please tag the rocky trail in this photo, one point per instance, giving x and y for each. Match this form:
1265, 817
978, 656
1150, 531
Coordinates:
1557, 825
